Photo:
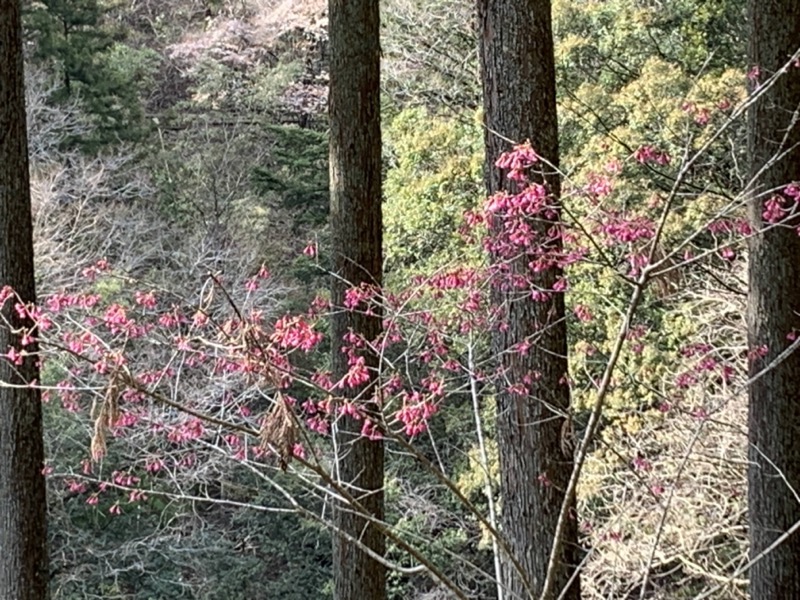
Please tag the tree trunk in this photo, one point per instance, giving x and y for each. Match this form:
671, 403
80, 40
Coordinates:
774, 306
356, 228
23, 507
518, 76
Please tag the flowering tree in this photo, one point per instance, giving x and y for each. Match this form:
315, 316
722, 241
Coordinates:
183, 382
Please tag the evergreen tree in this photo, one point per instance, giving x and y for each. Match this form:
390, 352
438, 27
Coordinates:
518, 76
356, 232
92, 63
774, 304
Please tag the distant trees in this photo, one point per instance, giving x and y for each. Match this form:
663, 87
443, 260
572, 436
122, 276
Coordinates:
23, 528
356, 239
774, 301
92, 64
518, 76
198, 376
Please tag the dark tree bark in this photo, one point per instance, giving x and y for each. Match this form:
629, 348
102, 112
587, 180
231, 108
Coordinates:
774, 306
23, 508
356, 228
518, 75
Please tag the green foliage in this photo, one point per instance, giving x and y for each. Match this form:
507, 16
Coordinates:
94, 65
627, 70
631, 74
434, 177
297, 174
165, 547
608, 42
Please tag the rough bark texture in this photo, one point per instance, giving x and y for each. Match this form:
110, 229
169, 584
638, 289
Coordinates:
355, 169
23, 556
774, 307
518, 75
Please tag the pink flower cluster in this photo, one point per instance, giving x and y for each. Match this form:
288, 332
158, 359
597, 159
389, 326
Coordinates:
416, 411
648, 154
292, 332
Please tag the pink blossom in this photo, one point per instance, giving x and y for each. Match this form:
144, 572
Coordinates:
792, 191
517, 161
702, 117
613, 167
622, 229
116, 319
136, 496
599, 186
323, 380
757, 352
415, 413
583, 313
685, 380
172, 318
124, 479
200, 319
357, 375
126, 419
189, 430
435, 386
651, 155
457, 279
5, 293
727, 373
295, 332
145, 299
350, 409
370, 430
75, 487
92, 271
517, 389
773, 210
355, 297
318, 424
14, 356
154, 466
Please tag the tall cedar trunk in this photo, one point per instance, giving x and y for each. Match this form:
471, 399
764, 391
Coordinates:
355, 180
518, 75
23, 554
774, 307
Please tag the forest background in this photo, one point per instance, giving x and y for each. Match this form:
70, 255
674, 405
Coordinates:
170, 140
